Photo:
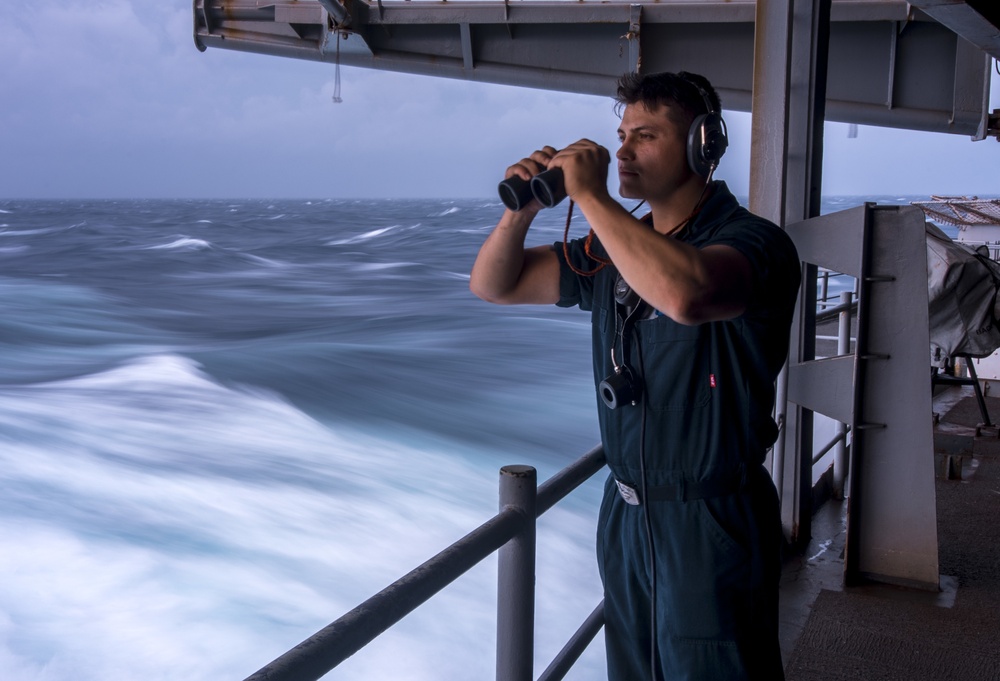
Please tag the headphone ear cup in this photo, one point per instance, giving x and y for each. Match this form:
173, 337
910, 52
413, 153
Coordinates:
707, 142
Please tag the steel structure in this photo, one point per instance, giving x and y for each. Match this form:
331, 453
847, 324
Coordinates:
921, 65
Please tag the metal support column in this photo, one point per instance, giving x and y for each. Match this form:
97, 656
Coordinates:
516, 578
841, 463
789, 90
882, 389
892, 518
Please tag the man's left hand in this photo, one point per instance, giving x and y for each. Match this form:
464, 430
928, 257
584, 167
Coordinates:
585, 167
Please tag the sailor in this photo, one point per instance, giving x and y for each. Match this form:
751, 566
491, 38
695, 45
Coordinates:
691, 308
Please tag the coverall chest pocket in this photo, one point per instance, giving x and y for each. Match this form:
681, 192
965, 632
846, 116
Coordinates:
676, 361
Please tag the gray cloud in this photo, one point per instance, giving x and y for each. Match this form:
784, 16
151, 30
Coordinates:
112, 99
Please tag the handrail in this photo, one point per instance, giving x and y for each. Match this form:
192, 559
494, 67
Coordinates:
327, 648
834, 441
834, 312
511, 532
575, 647
569, 478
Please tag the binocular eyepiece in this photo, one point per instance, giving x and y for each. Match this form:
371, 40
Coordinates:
547, 186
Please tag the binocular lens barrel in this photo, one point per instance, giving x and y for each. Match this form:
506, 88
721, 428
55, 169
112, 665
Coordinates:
515, 193
547, 186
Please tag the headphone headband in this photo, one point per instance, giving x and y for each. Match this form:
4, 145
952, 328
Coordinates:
704, 96
707, 138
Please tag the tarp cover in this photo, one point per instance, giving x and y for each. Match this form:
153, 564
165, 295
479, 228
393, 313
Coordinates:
962, 293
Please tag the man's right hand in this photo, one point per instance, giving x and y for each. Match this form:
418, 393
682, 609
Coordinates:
505, 272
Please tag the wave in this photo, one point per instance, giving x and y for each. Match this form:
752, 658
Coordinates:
380, 266
267, 262
152, 499
31, 232
160, 495
367, 236
184, 243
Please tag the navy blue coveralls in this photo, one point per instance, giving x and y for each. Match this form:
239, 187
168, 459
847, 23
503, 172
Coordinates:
703, 429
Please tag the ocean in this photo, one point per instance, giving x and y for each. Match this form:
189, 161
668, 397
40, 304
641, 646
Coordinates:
225, 423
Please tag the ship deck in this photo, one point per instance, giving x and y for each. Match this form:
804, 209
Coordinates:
882, 632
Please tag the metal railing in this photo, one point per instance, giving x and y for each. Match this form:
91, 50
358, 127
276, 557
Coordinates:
512, 533
842, 311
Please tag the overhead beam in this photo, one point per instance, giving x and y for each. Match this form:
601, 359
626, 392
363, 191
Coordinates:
889, 65
977, 21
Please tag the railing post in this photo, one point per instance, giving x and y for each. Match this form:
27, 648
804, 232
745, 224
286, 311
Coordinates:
516, 578
840, 460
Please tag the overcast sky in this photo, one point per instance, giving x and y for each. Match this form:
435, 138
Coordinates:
110, 98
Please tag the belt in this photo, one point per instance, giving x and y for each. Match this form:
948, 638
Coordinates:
683, 490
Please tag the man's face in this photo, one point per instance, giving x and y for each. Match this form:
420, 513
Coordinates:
652, 160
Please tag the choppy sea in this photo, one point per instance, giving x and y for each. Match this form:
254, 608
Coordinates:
223, 424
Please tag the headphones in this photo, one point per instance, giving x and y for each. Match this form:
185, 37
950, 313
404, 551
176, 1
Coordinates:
707, 138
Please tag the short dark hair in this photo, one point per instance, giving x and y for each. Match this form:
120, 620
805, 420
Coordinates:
685, 91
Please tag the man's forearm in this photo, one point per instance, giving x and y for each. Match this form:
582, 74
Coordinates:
501, 258
505, 272
687, 284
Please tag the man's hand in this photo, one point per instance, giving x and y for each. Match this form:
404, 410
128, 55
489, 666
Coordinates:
585, 168
528, 167
505, 271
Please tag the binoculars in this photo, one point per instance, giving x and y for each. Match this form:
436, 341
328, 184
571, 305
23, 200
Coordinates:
547, 186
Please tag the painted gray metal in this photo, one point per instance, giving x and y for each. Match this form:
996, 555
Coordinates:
892, 520
841, 460
333, 644
327, 648
516, 579
883, 390
568, 656
889, 64
975, 20
790, 77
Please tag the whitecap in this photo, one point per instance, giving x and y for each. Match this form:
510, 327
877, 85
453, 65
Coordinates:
374, 233
449, 211
362, 237
185, 243
377, 266
28, 232
204, 222
264, 261
198, 512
